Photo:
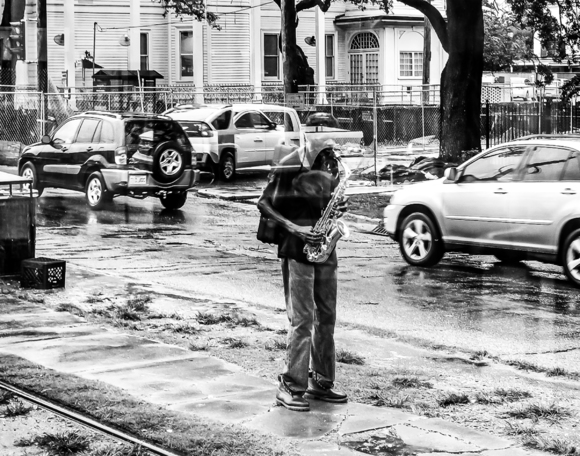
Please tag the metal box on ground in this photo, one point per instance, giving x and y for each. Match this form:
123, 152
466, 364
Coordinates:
17, 222
43, 273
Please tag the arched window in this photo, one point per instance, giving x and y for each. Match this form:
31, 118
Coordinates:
364, 58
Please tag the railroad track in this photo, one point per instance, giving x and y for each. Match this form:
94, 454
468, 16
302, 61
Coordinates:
86, 421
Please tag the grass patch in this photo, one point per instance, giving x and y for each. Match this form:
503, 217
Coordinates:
60, 443
520, 429
115, 450
347, 357
198, 346
68, 307
501, 395
15, 408
552, 444
234, 342
233, 319
410, 382
389, 400
183, 327
275, 344
453, 399
550, 372
95, 298
6, 397
537, 410
191, 434
480, 355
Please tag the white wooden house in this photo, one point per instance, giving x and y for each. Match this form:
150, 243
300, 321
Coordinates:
352, 46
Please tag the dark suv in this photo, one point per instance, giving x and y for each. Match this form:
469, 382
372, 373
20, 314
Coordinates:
104, 155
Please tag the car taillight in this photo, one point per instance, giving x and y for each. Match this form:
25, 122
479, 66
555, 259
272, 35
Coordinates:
121, 155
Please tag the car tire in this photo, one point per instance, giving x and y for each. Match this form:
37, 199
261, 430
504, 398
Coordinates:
173, 200
29, 171
511, 258
96, 193
227, 167
168, 162
419, 240
571, 257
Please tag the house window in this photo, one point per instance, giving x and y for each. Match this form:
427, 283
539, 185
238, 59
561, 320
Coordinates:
271, 56
364, 59
186, 54
144, 50
411, 64
329, 54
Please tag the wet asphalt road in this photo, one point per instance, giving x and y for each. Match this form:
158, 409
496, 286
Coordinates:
209, 248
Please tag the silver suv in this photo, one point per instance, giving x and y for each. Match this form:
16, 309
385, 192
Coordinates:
517, 201
226, 138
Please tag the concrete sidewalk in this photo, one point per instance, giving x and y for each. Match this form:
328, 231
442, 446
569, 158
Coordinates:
197, 383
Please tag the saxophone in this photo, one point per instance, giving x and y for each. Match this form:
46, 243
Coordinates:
329, 225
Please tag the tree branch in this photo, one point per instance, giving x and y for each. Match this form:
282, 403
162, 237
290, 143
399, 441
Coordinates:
307, 4
434, 16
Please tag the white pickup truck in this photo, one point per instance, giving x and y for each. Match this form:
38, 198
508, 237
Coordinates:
226, 138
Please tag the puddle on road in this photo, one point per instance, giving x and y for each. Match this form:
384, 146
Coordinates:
385, 445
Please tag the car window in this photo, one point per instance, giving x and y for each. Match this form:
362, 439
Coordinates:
245, 121
499, 165
281, 118
147, 134
572, 168
222, 122
260, 121
87, 130
107, 132
67, 131
545, 164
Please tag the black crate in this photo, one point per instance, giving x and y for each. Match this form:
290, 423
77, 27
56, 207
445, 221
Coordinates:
43, 273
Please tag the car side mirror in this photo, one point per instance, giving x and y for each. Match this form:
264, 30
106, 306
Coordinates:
46, 139
451, 174
273, 125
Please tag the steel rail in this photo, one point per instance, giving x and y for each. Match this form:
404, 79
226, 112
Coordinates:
85, 421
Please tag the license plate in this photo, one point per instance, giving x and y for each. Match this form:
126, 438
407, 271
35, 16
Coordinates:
137, 180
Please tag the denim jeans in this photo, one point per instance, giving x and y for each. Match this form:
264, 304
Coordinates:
310, 292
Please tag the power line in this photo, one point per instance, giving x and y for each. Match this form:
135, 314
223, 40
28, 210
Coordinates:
101, 29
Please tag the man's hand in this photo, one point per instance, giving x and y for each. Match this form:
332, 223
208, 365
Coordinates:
307, 235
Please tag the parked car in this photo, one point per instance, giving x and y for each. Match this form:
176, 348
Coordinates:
517, 201
226, 138
104, 155
522, 88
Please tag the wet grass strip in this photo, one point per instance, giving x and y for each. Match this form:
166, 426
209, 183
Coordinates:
181, 432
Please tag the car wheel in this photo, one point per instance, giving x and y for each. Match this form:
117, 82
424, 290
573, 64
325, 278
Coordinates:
96, 192
173, 200
419, 241
510, 257
571, 257
168, 162
227, 167
28, 171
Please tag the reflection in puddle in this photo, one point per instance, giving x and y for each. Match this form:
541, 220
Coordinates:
385, 445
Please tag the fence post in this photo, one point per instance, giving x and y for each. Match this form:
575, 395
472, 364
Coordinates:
375, 133
42, 115
487, 122
423, 123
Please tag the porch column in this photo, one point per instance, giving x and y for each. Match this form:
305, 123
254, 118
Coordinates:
320, 56
134, 49
69, 50
31, 42
256, 49
198, 60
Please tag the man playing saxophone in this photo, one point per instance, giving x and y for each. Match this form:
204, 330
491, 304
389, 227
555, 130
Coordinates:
298, 193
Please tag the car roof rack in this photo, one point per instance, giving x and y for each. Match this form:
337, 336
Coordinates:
102, 113
144, 115
550, 136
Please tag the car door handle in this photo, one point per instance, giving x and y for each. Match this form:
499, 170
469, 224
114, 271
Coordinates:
258, 139
500, 191
568, 191
89, 149
64, 148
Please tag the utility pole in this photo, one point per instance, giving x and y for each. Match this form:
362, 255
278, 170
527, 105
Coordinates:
426, 59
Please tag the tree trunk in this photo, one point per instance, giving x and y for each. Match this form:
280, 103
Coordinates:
288, 38
461, 80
